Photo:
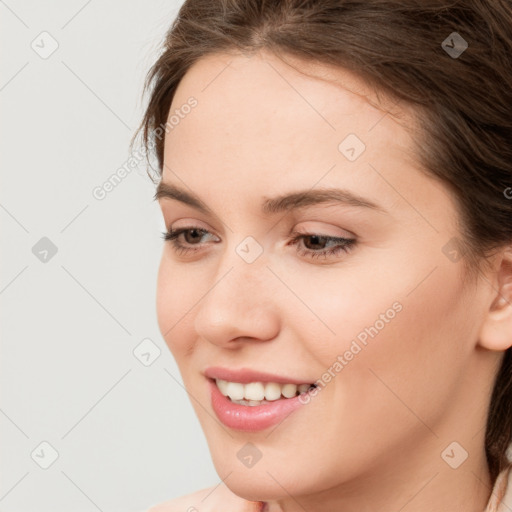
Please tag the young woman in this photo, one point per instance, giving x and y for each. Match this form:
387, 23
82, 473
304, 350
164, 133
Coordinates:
336, 280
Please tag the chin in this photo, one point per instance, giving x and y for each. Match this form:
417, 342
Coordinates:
247, 488
263, 482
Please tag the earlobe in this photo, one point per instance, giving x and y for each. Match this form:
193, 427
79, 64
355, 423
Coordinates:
496, 331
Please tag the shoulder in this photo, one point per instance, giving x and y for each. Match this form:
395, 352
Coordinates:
207, 500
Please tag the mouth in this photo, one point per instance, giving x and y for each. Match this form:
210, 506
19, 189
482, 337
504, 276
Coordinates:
253, 394
255, 406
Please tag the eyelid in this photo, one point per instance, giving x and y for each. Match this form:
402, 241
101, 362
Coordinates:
321, 230
188, 223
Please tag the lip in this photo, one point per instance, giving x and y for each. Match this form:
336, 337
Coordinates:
251, 418
246, 375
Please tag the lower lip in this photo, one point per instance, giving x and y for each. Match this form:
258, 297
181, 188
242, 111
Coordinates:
251, 418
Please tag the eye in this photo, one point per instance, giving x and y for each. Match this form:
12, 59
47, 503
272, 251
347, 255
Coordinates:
193, 235
172, 236
340, 244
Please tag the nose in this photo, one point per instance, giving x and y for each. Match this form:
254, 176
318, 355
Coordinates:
240, 304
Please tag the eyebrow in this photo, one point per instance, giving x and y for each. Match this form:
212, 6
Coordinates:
283, 203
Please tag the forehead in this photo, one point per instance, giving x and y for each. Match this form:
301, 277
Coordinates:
260, 103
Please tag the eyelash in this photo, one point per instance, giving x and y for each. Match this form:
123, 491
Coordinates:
344, 244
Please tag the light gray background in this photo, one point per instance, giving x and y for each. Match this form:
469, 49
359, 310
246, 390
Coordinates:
126, 434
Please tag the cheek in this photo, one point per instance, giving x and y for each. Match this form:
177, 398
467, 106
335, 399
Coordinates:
406, 294
175, 298
331, 307
412, 366
402, 331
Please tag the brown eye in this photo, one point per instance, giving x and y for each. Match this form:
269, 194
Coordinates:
195, 235
316, 241
317, 249
192, 236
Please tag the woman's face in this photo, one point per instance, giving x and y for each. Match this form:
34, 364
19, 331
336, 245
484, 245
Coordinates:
385, 326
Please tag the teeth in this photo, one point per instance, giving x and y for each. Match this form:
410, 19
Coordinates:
234, 390
289, 390
254, 391
257, 393
303, 387
272, 391
223, 386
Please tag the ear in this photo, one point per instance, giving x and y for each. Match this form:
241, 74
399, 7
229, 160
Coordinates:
496, 331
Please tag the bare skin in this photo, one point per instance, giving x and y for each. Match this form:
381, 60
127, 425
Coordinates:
379, 434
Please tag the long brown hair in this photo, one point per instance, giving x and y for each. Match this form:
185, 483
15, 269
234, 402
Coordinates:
450, 60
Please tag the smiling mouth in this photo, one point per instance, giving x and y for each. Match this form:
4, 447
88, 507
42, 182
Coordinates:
260, 393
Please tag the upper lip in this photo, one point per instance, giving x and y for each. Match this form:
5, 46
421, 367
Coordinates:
246, 375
